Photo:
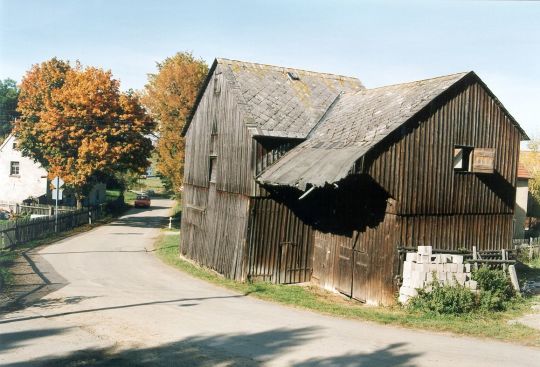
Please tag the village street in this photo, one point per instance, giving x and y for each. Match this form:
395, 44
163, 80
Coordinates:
112, 302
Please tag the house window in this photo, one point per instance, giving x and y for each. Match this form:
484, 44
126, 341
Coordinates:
462, 158
213, 169
14, 146
14, 169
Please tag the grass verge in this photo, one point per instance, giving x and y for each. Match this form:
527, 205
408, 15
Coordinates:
493, 325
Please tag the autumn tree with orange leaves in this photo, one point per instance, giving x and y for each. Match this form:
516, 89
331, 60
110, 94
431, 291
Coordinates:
79, 126
169, 96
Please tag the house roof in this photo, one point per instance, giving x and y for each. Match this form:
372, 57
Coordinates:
523, 172
279, 101
8, 138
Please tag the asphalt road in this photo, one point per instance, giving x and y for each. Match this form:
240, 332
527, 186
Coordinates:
111, 302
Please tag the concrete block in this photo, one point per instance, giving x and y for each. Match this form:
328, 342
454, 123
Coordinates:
457, 259
443, 258
424, 250
440, 268
447, 268
411, 256
403, 299
406, 282
471, 284
453, 267
407, 267
433, 267
424, 267
467, 268
460, 278
411, 292
460, 269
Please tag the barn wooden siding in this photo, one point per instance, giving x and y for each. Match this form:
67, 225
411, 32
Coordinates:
280, 244
456, 232
218, 130
214, 235
361, 266
215, 214
415, 166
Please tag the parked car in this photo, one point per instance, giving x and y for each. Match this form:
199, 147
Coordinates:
142, 201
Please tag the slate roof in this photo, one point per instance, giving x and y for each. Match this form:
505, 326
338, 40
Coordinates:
274, 104
352, 126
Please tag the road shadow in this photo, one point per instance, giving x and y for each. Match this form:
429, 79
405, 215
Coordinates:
48, 303
12, 340
235, 350
141, 222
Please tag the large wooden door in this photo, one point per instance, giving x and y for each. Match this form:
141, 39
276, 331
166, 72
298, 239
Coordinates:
360, 272
345, 268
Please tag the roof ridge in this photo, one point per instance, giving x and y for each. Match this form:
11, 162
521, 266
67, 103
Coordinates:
463, 73
285, 68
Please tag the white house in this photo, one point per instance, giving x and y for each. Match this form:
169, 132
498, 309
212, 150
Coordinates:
522, 195
20, 177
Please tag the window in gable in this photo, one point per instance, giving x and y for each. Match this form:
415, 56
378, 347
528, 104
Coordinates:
213, 169
475, 160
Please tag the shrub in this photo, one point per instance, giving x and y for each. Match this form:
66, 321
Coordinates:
495, 289
495, 293
444, 299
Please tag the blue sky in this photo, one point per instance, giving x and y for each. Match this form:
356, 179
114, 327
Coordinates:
380, 42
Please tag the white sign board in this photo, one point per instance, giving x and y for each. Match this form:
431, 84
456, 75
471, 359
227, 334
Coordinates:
57, 182
54, 194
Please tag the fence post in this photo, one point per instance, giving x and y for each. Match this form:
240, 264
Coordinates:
89, 216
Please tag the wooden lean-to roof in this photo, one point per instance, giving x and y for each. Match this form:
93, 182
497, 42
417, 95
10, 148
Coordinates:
278, 101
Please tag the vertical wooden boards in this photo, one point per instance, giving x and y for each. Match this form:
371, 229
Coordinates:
214, 235
280, 245
362, 265
217, 129
423, 180
456, 232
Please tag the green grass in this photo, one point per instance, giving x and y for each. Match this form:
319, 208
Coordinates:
490, 325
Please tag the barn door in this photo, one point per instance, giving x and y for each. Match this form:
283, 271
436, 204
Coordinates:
360, 270
345, 269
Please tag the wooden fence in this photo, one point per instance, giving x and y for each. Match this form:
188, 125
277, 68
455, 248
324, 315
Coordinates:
527, 249
41, 209
16, 232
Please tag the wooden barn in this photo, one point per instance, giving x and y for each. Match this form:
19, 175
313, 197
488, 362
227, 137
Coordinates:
295, 176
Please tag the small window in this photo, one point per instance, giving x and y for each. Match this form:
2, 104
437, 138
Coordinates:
213, 169
14, 146
462, 158
14, 169
217, 84
293, 75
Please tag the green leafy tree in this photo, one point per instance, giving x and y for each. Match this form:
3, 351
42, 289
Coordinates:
9, 93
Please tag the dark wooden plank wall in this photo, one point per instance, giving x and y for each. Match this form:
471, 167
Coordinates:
280, 244
418, 171
456, 232
375, 284
233, 142
214, 236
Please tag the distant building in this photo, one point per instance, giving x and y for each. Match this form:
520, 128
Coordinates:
522, 196
20, 177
